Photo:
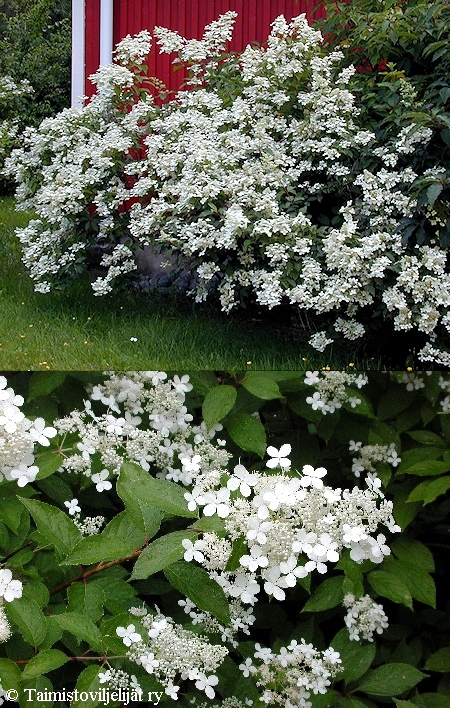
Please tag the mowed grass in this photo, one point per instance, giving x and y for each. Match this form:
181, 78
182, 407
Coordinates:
74, 330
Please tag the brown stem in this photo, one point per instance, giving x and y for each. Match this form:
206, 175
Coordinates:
98, 568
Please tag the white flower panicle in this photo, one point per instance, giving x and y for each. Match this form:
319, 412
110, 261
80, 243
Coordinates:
289, 677
18, 438
172, 653
5, 628
145, 420
370, 455
334, 389
364, 618
289, 526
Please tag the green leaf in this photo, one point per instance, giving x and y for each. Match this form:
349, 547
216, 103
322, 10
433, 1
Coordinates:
327, 595
427, 468
247, 432
54, 525
202, 381
10, 674
434, 700
42, 383
88, 682
356, 658
38, 688
81, 627
418, 581
412, 551
120, 538
30, 619
218, 402
48, 462
439, 661
86, 598
134, 489
434, 190
43, 663
403, 704
11, 512
390, 680
158, 493
389, 586
426, 437
195, 583
418, 454
394, 401
161, 553
430, 490
261, 386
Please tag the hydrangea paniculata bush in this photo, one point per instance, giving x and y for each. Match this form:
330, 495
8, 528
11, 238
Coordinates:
258, 172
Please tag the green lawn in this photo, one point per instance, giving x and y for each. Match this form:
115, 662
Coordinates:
76, 331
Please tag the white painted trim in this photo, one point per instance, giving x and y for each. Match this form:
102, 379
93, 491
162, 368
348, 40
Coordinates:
78, 52
106, 31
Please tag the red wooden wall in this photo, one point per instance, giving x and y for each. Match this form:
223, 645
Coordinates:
189, 18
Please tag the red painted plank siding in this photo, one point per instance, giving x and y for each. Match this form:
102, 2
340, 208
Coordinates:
189, 18
92, 41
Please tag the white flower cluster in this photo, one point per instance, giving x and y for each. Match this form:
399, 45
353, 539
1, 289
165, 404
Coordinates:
226, 176
146, 422
10, 589
172, 653
89, 526
18, 438
364, 617
289, 677
333, 389
369, 455
288, 526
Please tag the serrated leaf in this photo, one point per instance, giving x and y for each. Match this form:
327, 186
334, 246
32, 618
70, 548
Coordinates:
247, 432
391, 587
120, 538
42, 383
426, 437
418, 454
413, 551
43, 663
134, 489
48, 462
218, 402
81, 626
161, 553
327, 595
205, 593
37, 694
439, 661
394, 401
86, 598
158, 493
434, 700
427, 468
88, 682
261, 386
418, 581
356, 658
430, 490
403, 704
30, 619
54, 525
390, 680
434, 190
10, 674
10, 513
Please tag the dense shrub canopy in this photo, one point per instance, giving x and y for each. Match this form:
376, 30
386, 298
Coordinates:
269, 174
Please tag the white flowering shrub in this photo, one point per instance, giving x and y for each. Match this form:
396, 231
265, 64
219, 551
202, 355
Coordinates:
13, 99
261, 173
208, 540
